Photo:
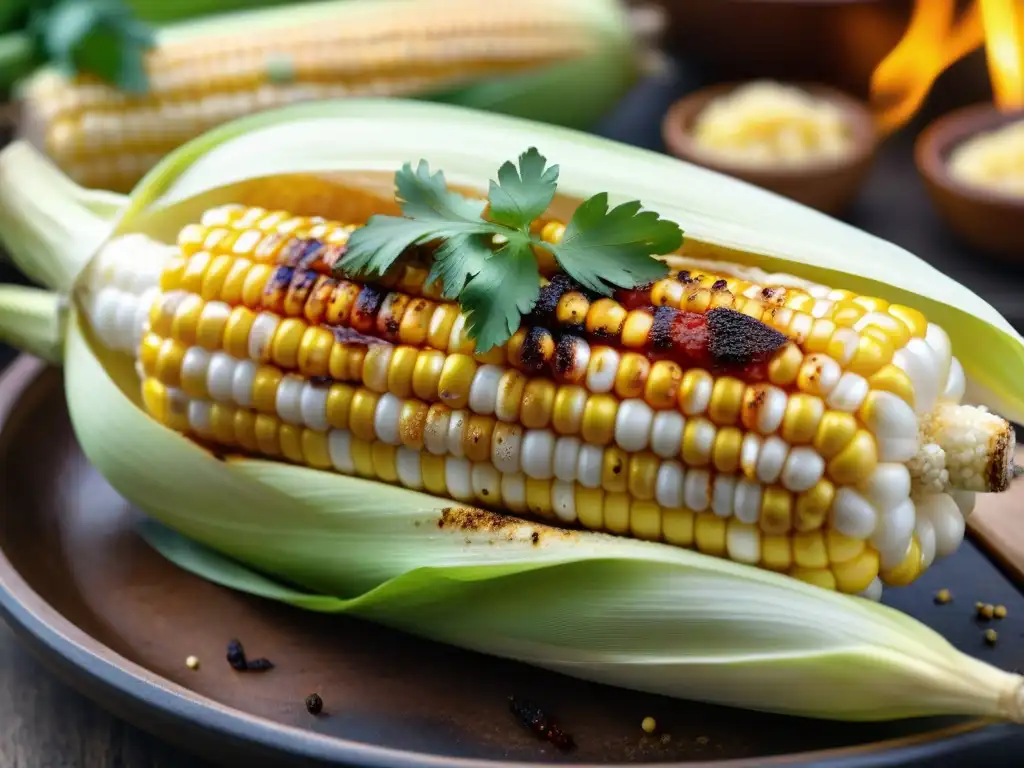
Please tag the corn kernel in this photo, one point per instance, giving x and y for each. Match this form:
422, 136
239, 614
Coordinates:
510, 395
835, 431
339, 405
606, 318
853, 576
873, 351
415, 325
476, 439
819, 577
812, 506
266, 429
637, 328
455, 381
361, 416
776, 510
803, 414
290, 437
677, 526
856, 461
726, 454
590, 507
916, 322
785, 365
842, 548
817, 340
631, 377
846, 313
599, 416
889, 378
426, 374
568, 408
907, 571
695, 391
236, 332
441, 322
572, 308
614, 470
663, 384
432, 469
776, 553
809, 550
537, 404
726, 399
709, 534
643, 474
616, 512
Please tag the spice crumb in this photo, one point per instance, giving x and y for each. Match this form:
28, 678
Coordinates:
314, 704
986, 611
649, 724
534, 718
991, 636
999, 612
943, 596
192, 662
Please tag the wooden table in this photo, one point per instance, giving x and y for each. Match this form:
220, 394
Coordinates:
43, 724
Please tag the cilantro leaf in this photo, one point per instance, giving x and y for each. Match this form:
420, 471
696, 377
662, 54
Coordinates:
423, 195
602, 249
457, 260
373, 248
497, 297
520, 197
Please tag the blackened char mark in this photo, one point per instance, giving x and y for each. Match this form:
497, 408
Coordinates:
660, 335
738, 339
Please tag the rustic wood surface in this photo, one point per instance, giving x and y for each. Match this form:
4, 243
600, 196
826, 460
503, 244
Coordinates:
44, 724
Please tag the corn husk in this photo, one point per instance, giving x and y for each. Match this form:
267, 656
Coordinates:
641, 615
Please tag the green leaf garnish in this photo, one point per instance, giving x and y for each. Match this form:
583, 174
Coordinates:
489, 264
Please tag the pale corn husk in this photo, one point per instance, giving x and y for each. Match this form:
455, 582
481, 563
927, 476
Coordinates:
641, 615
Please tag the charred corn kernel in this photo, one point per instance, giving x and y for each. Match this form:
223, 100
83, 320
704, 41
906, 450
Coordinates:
776, 510
376, 365
842, 549
432, 469
835, 431
362, 414
266, 430
663, 383
709, 532
515, 346
567, 411
677, 526
916, 322
616, 512
854, 575
643, 475
819, 577
509, 398
818, 338
476, 440
426, 374
726, 453
698, 442
401, 368
315, 307
415, 325
855, 463
637, 328
339, 405
590, 507
412, 423
606, 318
908, 570
599, 416
631, 378
572, 308
785, 365
456, 378
615, 470
667, 293
343, 299
802, 418
889, 378
726, 399
537, 404
809, 550
645, 520
811, 507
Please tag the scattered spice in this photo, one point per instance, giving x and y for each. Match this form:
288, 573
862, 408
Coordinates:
236, 658
986, 611
314, 704
999, 612
649, 724
991, 636
192, 662
943, 596
534, 718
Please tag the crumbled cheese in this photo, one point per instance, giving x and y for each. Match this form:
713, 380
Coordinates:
992, 160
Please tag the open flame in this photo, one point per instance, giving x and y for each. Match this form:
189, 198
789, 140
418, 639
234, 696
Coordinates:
937, 38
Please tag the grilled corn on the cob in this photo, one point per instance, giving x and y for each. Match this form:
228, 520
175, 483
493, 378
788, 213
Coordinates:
205, 73
796, 427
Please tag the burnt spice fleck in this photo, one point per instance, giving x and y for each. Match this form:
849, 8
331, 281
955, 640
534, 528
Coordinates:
314, 704
259, 665
236, 655
534, 718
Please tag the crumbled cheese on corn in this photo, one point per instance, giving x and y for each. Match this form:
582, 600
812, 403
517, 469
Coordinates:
768, 123
992, 160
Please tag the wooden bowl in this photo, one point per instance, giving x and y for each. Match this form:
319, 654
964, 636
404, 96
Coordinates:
828, 185
986, 219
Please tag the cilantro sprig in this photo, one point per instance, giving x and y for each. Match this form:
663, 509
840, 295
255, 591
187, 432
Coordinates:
487, 254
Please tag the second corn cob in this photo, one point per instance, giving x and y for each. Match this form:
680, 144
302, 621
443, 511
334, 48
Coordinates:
799, 428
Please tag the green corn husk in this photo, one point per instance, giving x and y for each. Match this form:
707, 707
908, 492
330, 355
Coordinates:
636, 614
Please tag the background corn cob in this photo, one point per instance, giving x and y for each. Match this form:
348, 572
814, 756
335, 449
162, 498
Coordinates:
206, 73
824, 463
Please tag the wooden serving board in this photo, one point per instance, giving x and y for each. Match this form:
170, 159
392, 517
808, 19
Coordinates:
998, 524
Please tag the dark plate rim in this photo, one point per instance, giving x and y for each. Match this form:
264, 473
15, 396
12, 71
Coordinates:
109, 679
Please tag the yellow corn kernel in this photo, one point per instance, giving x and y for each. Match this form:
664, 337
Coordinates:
696, 450
785, 365
907, 571
168, 362
149, 352
572, 308
170, 277
476, 438
195, 270
186, 319
599, 419
776, 552
812, 506
835, 431
264, 389
818, 338
692, 391
842, 548
456, 378
193, 382
361, 415
567, 412
645, 520
318, 456
384, 461
799, 301
616, 512
893, 330
343, 299
161, 315
667, 293
236, 332
255, 284
441, 322
315, 351
776, 510
677, 526
284, 346
809, 550
213, 281
856, 462
412, 422
234, 283
874, 349
606, 318
537, 404
163, 407
375, 367
432, 468
889, 378
643, 474
538, 497
511, 387
631, 377
637, 328
845, 314
726, 399
709, 534
515, 345
290, 437
426, 374
855, 575
245, 429
401, 368
726, 454
916, 322
871, 303
663, 383
800, 422
819, 577
362, 458
339, 405
266, 432
340, 364
415, 325
590, 507
615, 470
698, 301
